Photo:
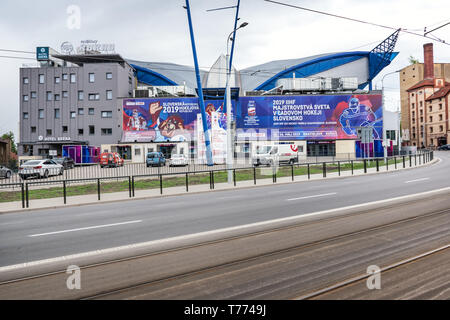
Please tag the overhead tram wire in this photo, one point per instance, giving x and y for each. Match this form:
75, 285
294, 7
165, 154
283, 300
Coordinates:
354, 20
17, 51
12, 57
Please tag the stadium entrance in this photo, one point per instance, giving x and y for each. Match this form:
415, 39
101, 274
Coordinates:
322, 148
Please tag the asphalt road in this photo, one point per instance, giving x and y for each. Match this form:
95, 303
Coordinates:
282, 263
43, 234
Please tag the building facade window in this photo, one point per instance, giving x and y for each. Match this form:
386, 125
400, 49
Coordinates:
41, 113
106, 131
109, 95
80, 95
57, 80
91, 111
57, 97
91, 77
73, 114
109, 76
65, 94
80, 111
94, 97
106, 114
49, 96
25, 98
33, 129
25, 115
26, 80
49, 132
33, 95
73, 78
64, 129
80, 132
91, 130
57, 114
41, 78
65, 76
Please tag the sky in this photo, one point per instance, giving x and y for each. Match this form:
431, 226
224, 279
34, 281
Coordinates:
157, 30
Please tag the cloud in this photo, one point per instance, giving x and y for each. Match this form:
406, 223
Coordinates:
158, 31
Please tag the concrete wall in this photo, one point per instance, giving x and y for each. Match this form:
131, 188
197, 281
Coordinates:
345, 149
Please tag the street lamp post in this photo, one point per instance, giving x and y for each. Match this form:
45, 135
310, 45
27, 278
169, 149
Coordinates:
384, 119
228, 108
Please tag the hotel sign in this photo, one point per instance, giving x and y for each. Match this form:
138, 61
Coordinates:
42, 53
53, 139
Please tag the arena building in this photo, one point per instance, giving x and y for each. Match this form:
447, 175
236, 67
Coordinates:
135, 107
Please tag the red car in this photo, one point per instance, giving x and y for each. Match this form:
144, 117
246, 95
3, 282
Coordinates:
111, 159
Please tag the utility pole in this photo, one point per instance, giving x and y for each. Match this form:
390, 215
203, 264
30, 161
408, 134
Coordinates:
384, 119
209, 158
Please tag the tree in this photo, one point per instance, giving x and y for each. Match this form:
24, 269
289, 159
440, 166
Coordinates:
10, 136
413, 60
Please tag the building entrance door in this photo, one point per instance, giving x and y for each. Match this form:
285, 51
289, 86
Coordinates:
166, 150
321, 148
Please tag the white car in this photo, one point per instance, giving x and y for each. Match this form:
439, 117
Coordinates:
40, 169
178, 160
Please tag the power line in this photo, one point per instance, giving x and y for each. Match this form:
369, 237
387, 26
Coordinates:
12, 57
354, 20
18, 51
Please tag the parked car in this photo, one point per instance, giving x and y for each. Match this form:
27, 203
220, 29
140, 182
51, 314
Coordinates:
5, 172
178, 160
444, 147
111, 159
40, 169
66, 162
155, 159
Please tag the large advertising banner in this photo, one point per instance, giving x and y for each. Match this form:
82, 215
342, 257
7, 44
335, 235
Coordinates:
218, 137
166, 119
324, 117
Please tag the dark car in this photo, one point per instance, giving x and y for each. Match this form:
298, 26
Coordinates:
5, 172
155, 159
444, 147
66, 162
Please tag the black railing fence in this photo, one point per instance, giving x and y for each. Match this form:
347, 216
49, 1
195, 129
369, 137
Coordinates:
157, 178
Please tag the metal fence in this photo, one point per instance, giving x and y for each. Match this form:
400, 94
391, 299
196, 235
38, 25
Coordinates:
212, 176
86, 173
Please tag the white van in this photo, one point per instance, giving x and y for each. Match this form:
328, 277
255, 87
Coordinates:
273, 154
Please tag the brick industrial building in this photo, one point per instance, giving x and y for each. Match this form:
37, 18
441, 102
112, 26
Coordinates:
428, 105
410, 76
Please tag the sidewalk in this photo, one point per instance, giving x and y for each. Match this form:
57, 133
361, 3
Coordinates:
172, 191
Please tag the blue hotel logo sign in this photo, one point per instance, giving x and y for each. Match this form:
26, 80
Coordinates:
42, 53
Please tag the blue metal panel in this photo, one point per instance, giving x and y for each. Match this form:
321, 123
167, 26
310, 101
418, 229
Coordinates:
151, 77
379, 61
314, 66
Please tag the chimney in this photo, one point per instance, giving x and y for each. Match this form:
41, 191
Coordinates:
428, 70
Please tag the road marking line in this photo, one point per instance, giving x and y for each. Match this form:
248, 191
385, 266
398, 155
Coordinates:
208, 233
417, 180
86, 228
315, 196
